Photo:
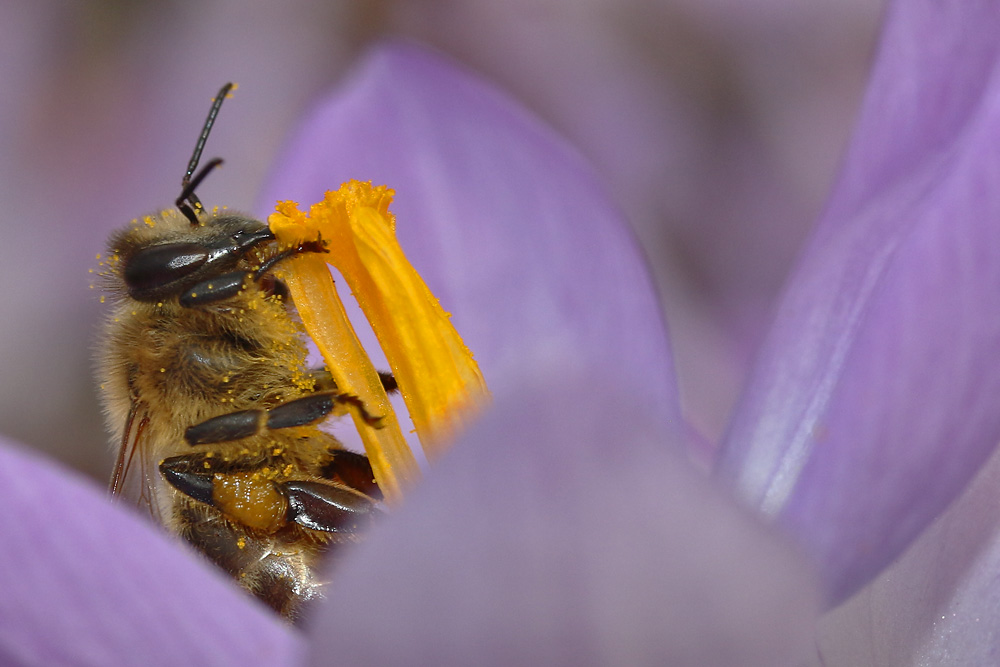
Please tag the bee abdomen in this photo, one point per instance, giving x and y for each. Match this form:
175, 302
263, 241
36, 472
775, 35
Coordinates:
279, 569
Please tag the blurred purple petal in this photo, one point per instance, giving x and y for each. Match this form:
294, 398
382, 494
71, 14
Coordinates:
875, 397
939, 604
561, 530
505, 221
86, 583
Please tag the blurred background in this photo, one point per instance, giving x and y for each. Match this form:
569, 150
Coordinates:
717, 125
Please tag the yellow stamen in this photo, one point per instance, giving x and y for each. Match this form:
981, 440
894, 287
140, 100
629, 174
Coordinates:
438, 379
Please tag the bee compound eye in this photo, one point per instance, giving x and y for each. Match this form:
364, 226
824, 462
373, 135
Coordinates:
157, 267
244, 239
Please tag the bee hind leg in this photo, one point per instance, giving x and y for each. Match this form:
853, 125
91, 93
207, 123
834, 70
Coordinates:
253, 500
320, 505
353, 470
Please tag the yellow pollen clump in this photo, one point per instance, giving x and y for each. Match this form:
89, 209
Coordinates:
437, 376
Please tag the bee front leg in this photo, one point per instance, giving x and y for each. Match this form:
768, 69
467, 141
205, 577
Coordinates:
216, 289
325, 382
227, 285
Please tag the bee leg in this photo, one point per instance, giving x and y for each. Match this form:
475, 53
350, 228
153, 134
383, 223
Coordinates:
353, 470
216, 289
182, 473
319, 505
314, 408
325, 382
252, 500
299, 412
234, 487
228, 285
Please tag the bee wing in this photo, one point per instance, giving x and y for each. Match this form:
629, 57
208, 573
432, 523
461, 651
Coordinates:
133, 476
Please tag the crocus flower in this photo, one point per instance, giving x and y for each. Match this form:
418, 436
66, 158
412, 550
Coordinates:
889, 330
565, 526
874, 401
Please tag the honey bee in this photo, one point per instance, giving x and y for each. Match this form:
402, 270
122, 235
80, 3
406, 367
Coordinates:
207, 391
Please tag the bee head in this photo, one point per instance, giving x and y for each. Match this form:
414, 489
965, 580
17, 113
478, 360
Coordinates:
168, 258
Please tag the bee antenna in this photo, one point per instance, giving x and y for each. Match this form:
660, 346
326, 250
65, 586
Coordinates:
191, 210
188, 202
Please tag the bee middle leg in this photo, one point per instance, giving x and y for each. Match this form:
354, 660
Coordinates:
297, 412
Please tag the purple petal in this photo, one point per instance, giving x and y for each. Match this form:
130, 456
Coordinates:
505, 221
561, 530
875, 397
939, 604
86, 583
